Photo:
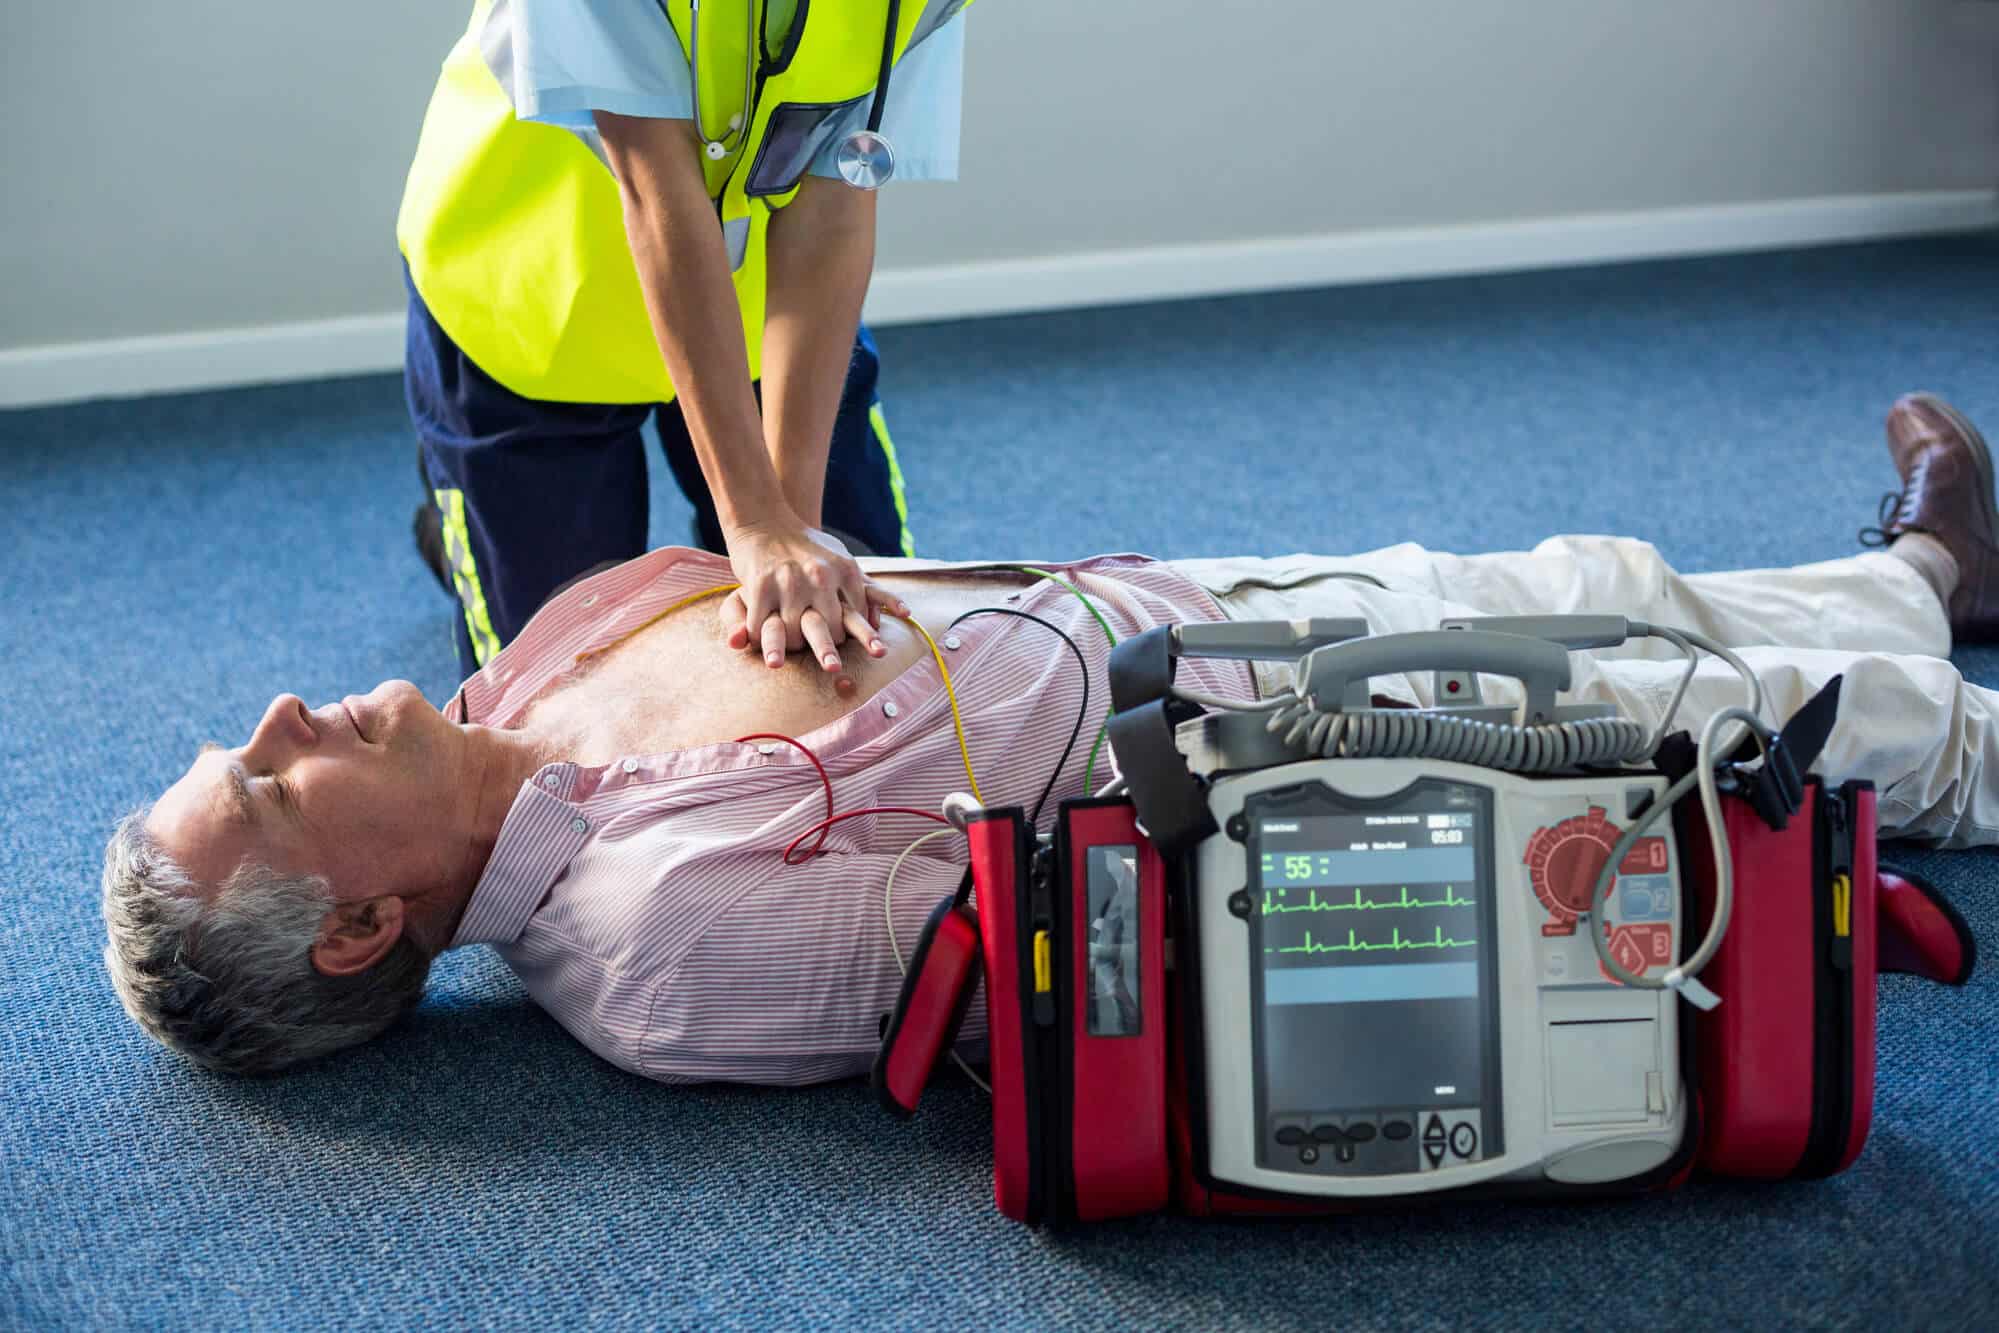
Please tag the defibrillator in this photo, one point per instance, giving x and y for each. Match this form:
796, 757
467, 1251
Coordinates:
1322, 952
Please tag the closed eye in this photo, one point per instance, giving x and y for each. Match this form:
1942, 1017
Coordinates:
284, 794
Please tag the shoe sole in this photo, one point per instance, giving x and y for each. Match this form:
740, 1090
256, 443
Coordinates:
1981, 456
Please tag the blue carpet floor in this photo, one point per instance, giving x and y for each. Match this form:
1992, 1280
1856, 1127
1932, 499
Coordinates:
173, 562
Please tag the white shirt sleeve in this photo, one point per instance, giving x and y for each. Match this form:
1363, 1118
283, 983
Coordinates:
561, 60
920, 118
573, 57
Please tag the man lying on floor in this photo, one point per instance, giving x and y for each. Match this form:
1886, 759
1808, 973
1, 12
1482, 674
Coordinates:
608, 802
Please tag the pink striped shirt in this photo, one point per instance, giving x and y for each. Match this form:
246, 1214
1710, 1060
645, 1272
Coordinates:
645, 903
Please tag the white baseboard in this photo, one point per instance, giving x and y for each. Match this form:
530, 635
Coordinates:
126, 367
952, 291
212, 359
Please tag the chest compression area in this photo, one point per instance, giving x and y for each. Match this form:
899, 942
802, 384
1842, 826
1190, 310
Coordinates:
676, 684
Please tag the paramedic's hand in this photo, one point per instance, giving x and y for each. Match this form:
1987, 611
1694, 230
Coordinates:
800, 589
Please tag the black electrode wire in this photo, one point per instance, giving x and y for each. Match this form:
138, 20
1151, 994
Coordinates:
1082, 665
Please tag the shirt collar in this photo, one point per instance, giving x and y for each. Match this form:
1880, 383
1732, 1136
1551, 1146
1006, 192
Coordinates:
542, 833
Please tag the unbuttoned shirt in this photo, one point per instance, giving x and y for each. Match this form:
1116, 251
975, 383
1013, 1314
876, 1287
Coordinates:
645, 903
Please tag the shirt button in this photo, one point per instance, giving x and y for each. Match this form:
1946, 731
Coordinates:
890, 709
766, 749
580, 825
630, 766
591, 600
552, 780
951, 641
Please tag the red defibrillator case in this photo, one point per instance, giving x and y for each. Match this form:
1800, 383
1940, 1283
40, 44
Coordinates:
1096, 1106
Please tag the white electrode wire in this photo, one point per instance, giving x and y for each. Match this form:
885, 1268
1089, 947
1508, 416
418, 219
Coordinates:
1215, 701
1750, 681
1678, 640
1724, 879
895, 945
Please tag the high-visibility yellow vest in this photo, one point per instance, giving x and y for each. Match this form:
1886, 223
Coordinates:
514, 232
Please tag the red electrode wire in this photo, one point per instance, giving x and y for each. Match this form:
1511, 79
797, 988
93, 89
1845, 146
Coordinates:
824, 825
823, 779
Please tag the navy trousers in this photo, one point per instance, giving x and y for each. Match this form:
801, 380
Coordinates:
534, 493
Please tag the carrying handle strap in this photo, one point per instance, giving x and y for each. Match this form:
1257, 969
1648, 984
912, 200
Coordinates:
1172, 804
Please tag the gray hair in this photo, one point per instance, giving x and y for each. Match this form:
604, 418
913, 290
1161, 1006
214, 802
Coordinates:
229, 983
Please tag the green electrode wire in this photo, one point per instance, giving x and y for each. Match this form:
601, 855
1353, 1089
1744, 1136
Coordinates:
1104, 730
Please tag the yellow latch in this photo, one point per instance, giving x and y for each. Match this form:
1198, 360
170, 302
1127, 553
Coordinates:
1044, 962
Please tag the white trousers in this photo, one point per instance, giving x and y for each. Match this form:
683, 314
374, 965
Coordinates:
1907, 721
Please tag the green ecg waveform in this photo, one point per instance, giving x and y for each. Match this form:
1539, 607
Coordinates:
1355, 944
1313, 903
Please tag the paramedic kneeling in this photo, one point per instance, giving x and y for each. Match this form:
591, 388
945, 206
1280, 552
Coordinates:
624, 211
610, 807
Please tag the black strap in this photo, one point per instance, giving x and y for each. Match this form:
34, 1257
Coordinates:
1171, 802
1777, 787
1142, 669
1805, 735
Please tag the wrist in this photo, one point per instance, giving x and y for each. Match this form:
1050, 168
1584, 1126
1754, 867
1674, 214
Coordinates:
767, 515
802, 495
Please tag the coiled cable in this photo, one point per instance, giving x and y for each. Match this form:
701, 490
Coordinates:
1539, 748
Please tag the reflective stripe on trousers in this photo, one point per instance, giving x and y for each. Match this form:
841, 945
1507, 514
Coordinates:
465, 574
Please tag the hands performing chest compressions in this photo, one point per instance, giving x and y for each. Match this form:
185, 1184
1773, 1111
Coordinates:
694, 247
766, 469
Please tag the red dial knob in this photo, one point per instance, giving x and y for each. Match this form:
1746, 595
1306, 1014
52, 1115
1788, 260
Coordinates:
1564, 860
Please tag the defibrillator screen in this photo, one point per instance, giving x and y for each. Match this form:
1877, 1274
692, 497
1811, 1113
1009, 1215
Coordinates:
1372, 938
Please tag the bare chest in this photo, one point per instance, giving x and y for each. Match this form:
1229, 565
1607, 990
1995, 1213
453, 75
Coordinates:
676, 685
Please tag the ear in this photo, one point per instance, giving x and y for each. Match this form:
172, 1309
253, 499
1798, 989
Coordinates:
355, 936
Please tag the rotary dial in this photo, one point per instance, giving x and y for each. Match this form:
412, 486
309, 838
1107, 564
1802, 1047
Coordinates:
1564, 861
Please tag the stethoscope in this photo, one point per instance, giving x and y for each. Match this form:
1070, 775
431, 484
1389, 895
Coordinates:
866, 158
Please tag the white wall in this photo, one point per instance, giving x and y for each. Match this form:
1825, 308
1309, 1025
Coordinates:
209, 164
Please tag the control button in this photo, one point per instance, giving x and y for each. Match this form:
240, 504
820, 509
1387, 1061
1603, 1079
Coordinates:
1464, 1139
1433, 1151
1344, 1152
1433, 1129
1291, 1136
1308, 1154
1328, 1133
1397, 1130
1361, 1132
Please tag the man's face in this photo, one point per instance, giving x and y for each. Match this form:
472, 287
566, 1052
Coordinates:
356, 791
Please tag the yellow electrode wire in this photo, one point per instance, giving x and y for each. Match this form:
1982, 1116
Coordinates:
950, 691
685, 601
951, 694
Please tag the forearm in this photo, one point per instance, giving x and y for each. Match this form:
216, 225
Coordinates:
820, 254
683, 271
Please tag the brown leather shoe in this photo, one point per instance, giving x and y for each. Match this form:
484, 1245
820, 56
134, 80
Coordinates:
1947, 492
